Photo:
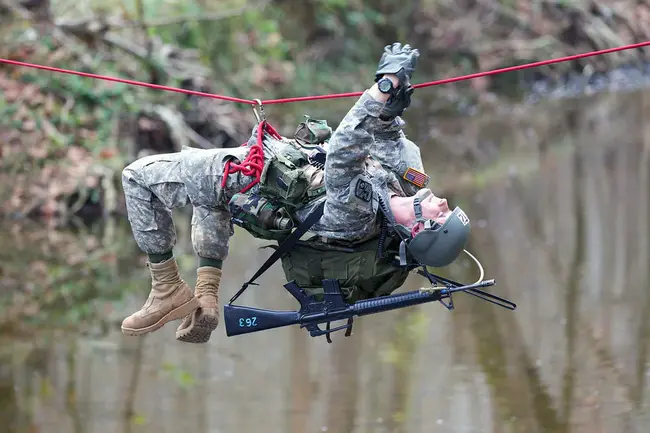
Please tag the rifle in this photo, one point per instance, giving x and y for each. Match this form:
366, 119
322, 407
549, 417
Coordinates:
244, 320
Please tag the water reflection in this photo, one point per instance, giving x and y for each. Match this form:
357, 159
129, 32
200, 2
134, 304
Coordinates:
560, 222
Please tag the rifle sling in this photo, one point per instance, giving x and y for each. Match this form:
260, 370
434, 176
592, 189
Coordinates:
285, 246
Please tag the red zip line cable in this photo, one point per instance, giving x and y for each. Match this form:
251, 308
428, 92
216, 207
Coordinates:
253, 164
471, 76
330, 96
125, 81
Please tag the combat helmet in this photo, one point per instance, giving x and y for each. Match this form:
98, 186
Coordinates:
437, 245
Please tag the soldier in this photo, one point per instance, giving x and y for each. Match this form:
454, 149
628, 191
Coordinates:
368, 156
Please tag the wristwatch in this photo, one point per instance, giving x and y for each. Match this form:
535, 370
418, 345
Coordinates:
385, 85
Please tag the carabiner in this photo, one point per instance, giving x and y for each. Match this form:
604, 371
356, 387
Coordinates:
259, 116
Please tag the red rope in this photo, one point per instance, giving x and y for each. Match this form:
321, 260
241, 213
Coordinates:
470, 76
318, 97
253, 164
125, 81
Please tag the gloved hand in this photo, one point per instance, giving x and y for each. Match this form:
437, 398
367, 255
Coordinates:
397, 103
399, 60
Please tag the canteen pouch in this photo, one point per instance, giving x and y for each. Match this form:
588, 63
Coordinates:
312, 132
260, 217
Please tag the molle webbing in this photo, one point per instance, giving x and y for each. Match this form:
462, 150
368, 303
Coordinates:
360, 272
289, 176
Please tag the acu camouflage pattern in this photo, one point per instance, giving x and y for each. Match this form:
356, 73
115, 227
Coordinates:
364, 155
156, 184
261, 217
397, 154
288, 175
312, 132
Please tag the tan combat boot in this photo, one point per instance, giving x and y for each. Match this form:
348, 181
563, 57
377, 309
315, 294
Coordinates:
170, 299
198, 326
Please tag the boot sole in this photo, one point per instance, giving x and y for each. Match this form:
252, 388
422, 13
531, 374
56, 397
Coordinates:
177, 313
199, 330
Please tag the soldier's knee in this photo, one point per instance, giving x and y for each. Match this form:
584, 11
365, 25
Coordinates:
131, 170
137, 165
128, 177
132, 185
135, 170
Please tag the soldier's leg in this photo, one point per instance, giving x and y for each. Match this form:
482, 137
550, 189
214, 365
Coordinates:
211, 232
153, 186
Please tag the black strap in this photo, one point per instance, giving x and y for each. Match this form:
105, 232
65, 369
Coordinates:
285, 246
388, 214
385, 209
417, 209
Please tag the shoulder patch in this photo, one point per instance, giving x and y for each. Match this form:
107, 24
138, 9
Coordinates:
416, 177
363, 190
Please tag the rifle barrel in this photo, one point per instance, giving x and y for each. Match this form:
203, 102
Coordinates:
393, 302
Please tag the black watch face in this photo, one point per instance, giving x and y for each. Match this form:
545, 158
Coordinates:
385, 85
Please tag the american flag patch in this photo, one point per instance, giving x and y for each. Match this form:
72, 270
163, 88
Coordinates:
416, 177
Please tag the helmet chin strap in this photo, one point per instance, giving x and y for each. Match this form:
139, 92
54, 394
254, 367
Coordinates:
417, 209
385, 208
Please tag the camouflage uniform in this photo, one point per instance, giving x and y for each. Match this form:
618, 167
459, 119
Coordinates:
155, 184
363, 157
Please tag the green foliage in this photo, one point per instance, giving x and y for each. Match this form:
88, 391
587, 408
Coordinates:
270, 38
66, 103
282, 49
251, 49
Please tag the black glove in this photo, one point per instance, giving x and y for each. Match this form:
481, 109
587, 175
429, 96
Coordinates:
399, 60
397, 103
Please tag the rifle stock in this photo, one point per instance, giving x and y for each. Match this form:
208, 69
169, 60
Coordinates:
244, 320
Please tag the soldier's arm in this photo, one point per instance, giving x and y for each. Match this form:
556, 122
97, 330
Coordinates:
396, 152
351, 142
349, 208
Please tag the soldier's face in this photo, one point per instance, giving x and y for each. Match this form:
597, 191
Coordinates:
433, 208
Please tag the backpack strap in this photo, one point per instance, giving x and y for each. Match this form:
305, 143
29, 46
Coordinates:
285, 246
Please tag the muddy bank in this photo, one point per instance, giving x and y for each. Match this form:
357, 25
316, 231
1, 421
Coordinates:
478, 35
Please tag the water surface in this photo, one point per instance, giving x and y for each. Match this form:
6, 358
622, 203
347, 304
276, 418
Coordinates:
558, 194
